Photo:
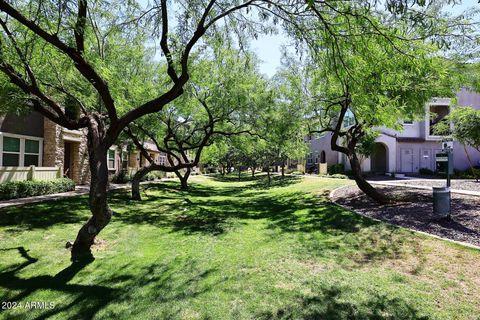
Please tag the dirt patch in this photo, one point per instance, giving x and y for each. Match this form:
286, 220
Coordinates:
413, 209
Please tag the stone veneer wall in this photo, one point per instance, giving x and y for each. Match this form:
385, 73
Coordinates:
133, 160
52, 144
54, 147
81, 170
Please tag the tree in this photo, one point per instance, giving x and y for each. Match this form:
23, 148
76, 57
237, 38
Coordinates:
218, 105
84, 44
285, 123
465, 128
365, 73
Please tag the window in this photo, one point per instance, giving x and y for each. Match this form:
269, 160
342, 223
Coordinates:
124, 159
11, 152
111, 159
19, 151
162, 160
32, 153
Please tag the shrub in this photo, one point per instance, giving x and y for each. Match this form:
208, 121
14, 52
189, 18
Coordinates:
121, 177
336, 168
154, 175
148, 177
468, 174
23, 189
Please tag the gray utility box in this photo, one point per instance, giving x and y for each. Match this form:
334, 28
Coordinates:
441, 202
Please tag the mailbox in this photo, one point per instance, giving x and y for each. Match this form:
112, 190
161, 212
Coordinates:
444, 162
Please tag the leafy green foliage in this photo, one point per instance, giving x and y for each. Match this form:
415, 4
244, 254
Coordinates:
24, 189
242, 252
366, 143
466, 126
336, 169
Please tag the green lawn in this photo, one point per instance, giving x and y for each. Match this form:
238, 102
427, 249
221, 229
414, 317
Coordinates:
232, 250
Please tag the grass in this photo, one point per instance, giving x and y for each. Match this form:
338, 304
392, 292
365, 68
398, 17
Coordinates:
232, 250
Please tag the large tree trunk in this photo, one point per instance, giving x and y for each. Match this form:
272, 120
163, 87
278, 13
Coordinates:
101, 212
137, 178
362, 183
184, 178
253, 171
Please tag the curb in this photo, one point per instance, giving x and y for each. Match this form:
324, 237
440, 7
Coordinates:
463, 244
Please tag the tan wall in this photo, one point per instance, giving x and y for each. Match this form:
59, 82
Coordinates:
80, 169
133, 160
54, 146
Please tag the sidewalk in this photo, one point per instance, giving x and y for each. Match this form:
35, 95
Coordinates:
414, 186
79, 190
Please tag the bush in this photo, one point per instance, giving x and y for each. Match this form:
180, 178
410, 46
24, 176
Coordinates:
336, 168
121, 177
426, 172
467, 174
23, 189
154, 175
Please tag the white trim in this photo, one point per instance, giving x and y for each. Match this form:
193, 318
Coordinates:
114, 159
21, 154
13, 135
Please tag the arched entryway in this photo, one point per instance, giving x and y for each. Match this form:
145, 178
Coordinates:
379, 158
323, 157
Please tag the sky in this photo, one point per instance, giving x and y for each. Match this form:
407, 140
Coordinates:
268, 47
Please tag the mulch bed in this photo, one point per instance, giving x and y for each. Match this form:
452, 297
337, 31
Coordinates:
414, 209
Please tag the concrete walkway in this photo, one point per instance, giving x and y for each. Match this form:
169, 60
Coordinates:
413, 186
79, 190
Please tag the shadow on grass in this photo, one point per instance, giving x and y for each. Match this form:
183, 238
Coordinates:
323, 226
276, 181
215, 210
329, 303
171, 284
161, 280
91, 297
259, 181
45, 214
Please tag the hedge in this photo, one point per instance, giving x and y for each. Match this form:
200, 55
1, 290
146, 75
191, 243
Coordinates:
23, 189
